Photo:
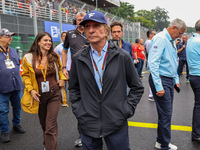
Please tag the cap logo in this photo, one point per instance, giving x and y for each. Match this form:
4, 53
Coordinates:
91, 14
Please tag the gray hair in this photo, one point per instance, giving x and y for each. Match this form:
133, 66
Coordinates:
81, 13
197, 25
178, 23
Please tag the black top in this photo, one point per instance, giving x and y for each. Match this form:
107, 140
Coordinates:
75, 40
103, 114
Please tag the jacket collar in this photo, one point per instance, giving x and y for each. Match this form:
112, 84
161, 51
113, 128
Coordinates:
123, 43
85, 55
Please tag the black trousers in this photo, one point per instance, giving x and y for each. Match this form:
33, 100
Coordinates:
164, 107
195, 84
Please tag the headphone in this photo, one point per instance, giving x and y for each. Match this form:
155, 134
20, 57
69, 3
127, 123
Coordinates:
74, 21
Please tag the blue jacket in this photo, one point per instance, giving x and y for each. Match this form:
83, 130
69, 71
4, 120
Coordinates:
182, 54
128, 47
10, 79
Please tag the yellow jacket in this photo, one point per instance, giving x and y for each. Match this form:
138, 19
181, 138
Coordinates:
28, 77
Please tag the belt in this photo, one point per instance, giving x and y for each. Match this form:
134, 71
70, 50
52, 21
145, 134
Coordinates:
166, 77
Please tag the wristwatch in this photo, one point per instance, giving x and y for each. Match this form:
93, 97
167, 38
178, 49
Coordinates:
64, 67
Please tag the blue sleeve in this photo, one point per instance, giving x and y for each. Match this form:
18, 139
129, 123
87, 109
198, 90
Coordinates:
154, 58
131, 52
65, 48
179, 46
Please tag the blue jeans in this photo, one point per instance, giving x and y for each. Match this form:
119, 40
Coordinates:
14, 97
164, 108
116, 141
195, 84
140, 67
180, 68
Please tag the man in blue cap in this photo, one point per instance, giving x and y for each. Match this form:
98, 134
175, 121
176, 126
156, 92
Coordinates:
98, 83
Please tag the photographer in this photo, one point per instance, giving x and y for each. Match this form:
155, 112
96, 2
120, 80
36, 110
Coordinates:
182, 57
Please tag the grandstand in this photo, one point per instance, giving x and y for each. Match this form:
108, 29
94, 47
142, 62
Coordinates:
17, 16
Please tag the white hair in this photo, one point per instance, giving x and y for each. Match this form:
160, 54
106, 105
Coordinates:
178, 23
81, 13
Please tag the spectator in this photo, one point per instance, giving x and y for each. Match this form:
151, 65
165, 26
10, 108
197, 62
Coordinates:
163, 75
182, 57
10, 86
193, 59
44, 86
75, 40
98, 94
150, 35
117, 33
58, 50
141, 57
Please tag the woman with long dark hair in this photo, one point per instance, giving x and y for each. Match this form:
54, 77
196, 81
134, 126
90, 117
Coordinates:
44, 86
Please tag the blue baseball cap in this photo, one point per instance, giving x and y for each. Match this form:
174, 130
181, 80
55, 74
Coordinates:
94, 16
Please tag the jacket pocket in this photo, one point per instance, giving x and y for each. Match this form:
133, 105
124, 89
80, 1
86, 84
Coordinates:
78, 109
126, 110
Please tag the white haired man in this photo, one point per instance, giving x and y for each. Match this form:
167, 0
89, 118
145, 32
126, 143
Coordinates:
162, 63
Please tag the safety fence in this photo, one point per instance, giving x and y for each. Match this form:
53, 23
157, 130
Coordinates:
131, 30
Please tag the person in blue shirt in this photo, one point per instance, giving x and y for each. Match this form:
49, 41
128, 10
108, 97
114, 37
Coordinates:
162, 65
10, 86
117, 33
193, 59
182, 57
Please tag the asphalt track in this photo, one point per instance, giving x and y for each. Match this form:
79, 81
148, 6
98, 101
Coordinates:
142, 126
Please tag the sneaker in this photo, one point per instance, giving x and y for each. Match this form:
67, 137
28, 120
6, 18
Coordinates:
188, 81
19, 129
151, 99
171, 146
141, 77
78, 143
64, 105
5, 137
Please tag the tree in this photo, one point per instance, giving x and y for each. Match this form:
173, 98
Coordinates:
190, 29
161, 18
148, 18
125, 10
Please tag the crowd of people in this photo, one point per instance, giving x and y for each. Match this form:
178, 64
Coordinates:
14, 7
104, 77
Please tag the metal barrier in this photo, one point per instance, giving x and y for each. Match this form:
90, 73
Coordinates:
132, 30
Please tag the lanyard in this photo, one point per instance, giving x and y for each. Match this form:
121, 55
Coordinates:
44, 71
80, 34
103, 66
4, 52
172, 44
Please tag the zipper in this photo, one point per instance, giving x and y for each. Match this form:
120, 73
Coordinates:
101, 123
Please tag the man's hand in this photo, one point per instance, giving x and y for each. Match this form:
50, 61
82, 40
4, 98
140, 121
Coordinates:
183, 46
160, 93
35, 95
177, 84
65, 72
61, 83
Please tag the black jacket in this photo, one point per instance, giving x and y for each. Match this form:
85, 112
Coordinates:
102, 114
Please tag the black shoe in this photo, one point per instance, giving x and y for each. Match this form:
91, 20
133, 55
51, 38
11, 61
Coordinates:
195, 139
5, 137
19, 129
